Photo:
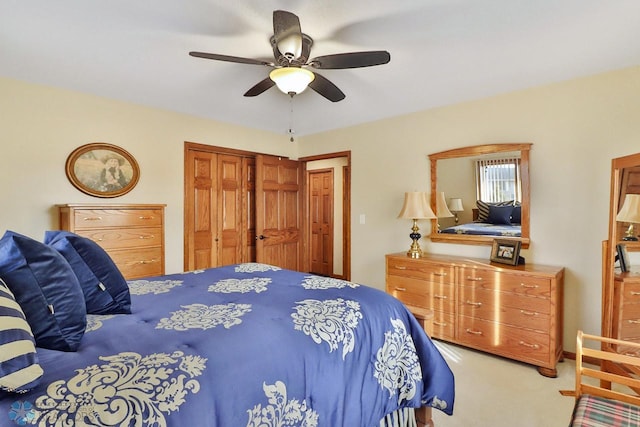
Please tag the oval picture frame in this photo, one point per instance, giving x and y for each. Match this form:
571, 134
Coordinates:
102, 170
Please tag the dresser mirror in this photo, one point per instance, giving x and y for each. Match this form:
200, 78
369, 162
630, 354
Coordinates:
619, 289
452, 173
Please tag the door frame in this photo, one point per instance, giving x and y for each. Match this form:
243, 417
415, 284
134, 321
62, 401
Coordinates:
346, 208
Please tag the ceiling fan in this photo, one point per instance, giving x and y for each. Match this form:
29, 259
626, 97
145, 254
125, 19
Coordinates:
291, 50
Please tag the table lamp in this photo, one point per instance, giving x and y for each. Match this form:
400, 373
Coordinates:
630, 213
415, 207
455, 206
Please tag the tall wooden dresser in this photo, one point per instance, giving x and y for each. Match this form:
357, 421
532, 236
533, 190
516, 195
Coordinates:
132, 234
514, 312
626, 317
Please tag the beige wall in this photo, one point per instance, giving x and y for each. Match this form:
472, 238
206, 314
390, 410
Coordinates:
576, 127
40, 126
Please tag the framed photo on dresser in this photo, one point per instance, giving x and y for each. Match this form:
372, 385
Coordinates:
506, 251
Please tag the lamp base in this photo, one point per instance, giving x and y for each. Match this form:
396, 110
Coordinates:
630, 238
414, 250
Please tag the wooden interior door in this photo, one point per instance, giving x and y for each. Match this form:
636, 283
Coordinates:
321, 221
230, 231
219, 198
279, 212
200, 207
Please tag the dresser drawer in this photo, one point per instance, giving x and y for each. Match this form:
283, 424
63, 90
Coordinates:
434, 296
629, 321
631, 292
99, 218
520, 344
139, 262
437, 273
124, 237
502, 307
506, 282
444, 325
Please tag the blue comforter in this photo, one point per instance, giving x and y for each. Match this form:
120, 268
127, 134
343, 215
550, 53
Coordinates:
242, 345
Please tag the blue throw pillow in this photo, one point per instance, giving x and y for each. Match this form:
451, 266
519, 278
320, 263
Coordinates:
516, 215
105, 289
19, 368
47, 290
500, 215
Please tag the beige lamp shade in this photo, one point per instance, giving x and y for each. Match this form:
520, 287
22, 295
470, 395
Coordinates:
416, 206
441, 206
455, 205
630, 211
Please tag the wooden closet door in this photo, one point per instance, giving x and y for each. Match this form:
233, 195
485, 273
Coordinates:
278, 212
229, 213
215, 200
200, 210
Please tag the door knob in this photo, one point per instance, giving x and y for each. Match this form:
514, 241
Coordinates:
261, 237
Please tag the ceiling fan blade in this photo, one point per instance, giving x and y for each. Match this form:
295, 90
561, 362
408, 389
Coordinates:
260, 87
228, 58
324, 87
351, 60
287, 33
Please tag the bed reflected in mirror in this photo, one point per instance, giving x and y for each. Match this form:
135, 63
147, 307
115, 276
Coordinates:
487, 186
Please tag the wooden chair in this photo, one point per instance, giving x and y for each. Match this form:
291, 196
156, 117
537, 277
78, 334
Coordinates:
603, 397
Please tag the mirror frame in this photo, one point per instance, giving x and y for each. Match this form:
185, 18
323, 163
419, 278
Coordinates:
618, 165
477, 150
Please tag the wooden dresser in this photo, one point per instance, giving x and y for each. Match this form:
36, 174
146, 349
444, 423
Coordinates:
626, 317
132, 234
514, 312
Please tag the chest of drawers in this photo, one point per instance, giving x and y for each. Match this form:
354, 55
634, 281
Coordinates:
626, 316
515, 312
132, 234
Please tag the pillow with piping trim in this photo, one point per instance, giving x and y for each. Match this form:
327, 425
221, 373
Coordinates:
105, 289
46, 289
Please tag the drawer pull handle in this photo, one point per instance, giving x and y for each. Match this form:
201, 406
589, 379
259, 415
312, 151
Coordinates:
473, 332
148, 236
529, 313
524, 285
634, 321
635, 293
147, 261
92, 218
533, 346
441, 297
475, 304
440, 323
474, 279
397, 288
440, 274
145, 217
400, 267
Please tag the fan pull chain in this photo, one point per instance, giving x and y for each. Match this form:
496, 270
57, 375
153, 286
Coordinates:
290, 131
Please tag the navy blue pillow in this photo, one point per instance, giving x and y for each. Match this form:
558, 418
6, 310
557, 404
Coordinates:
500, 215
47, 290
516, 215
105, 289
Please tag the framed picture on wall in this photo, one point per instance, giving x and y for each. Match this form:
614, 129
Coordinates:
506, 251
102, 170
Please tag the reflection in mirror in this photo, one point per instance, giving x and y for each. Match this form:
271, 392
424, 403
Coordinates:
455, 173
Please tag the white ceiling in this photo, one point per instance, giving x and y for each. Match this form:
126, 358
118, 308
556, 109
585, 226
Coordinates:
442, 52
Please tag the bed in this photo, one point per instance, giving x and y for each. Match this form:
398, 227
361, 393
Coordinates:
241, 345
485, 229
492, 219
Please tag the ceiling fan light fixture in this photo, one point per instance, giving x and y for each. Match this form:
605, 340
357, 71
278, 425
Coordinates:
292, 79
